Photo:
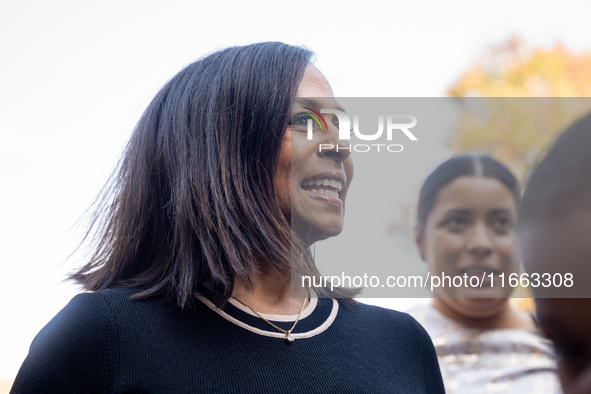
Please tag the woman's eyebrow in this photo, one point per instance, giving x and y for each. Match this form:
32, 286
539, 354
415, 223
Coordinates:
462, 211
313, 103
497, 211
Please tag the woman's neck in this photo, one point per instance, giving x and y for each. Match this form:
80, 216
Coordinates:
270, 294
505, 318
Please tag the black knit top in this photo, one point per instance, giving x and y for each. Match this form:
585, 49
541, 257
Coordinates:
104, 342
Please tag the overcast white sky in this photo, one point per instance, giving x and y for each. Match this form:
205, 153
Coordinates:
76, 75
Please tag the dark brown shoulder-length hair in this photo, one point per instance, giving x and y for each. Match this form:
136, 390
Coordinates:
192, 204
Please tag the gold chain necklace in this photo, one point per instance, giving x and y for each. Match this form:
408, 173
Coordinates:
288, 337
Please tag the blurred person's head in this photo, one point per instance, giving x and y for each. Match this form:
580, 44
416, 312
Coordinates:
555, 234
203, 193
466, 227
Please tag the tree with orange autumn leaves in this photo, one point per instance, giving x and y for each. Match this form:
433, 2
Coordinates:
515, 131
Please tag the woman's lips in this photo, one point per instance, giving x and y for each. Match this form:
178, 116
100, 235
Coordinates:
482, 273
335, 201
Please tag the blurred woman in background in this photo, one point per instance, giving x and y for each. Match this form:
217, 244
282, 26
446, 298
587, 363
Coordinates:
467, 216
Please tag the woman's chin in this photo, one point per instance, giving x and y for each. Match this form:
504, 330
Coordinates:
313, 238
479, 308
313, 233
482, 293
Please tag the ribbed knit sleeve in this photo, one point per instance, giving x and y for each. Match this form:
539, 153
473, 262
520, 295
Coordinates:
431, 371
74, 353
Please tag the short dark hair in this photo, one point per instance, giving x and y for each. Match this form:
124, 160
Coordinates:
562, 179
462, 165
192, 204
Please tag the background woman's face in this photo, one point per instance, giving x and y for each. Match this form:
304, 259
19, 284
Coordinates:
313, 184
471, 232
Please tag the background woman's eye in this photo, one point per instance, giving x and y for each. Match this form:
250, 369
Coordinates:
456, 223
502, 223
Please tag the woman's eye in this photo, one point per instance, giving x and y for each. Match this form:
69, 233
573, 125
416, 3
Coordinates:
455, 223
301, 120
502, 223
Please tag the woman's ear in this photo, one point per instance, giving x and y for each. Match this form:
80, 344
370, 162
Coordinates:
419, 240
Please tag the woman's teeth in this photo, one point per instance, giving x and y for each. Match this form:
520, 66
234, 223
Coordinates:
326, 182
325, 192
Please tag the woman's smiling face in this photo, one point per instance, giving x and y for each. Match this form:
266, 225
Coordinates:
312, 184
471, 232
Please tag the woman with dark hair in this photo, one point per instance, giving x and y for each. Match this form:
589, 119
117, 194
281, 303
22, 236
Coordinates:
216, 202
467, 218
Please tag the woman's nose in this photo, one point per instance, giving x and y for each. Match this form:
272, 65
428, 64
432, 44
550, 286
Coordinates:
480, 242
332, 147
